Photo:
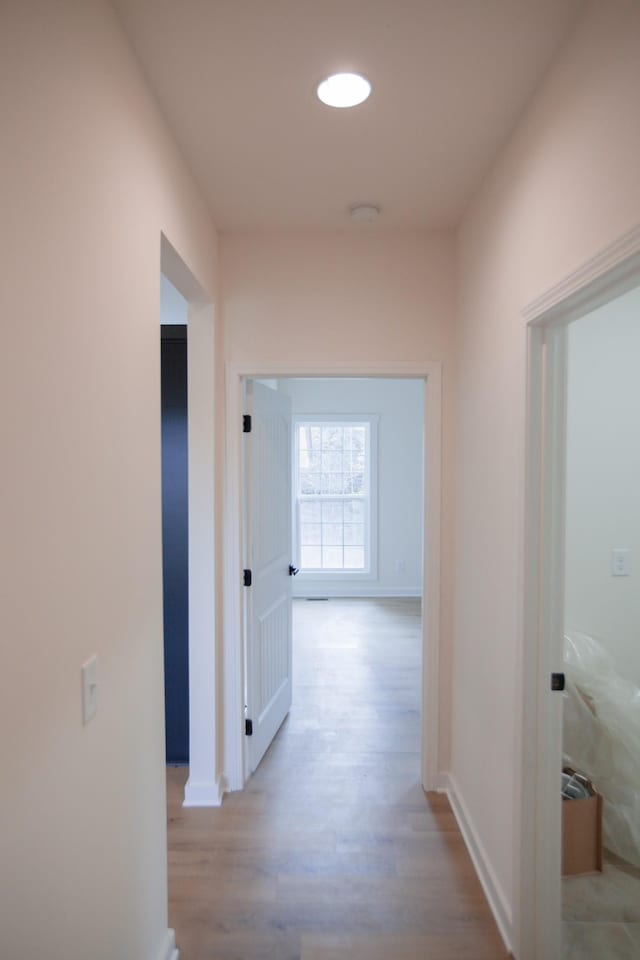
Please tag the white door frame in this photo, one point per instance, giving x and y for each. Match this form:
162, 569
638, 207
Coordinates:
233, 653
203, 786
537, 839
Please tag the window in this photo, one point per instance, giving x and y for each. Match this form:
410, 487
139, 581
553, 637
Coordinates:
333, 485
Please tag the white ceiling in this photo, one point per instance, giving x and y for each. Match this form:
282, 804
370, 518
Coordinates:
236, 80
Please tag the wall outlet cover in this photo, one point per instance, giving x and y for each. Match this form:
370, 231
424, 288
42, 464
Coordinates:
620, 562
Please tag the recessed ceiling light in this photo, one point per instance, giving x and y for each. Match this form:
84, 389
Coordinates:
344, 90
364, 212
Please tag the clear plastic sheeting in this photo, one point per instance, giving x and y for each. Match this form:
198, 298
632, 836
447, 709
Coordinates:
602, 738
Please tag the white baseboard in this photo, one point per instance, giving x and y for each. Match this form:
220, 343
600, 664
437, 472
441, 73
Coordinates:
486, 874
441, 783
356, 593
168, 950
202, 794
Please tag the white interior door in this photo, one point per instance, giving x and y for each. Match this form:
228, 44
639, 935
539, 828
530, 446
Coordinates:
269, 635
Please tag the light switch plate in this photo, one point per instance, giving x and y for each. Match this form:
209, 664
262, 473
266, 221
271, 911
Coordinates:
89, 689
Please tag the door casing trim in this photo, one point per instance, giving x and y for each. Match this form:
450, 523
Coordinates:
236, 372
203, 786
537, 822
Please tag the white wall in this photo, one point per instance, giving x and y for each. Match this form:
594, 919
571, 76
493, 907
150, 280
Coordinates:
399, 406
565, 186
356, 294
173, 306
603, 478
89, 179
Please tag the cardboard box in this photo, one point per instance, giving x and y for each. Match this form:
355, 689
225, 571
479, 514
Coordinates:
582, 833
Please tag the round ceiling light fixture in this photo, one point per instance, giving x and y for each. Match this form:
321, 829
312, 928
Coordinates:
364, 212
344, 90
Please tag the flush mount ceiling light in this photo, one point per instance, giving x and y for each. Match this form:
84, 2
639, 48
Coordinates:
364, 212
344, 90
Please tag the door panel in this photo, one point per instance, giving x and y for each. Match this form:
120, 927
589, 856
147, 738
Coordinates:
269, 639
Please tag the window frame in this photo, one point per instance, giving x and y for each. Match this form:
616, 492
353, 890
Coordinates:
370, 572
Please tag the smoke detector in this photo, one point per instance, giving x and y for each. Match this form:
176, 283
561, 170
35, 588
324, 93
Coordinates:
364, 212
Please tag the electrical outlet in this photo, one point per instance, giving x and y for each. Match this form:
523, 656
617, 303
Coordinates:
620, 563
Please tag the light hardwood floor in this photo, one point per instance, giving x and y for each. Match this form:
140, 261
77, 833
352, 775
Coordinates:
602, 913
333, 851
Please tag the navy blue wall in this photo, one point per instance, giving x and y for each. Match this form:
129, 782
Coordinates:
175, 542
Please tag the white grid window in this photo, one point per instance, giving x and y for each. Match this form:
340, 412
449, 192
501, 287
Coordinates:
333, 495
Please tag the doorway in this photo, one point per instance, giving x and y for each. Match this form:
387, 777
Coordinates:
548, 664
175, 520
203, 786
237, 374
351, 517
601, 702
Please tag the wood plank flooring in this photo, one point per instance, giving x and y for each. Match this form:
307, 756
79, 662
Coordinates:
333, 851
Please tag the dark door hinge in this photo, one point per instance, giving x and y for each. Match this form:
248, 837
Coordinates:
246, 423
248, 728
247, 578
557, 681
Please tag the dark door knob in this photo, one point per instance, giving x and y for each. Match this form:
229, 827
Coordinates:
293, 570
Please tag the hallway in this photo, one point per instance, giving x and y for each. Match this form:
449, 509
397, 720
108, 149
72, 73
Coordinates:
332, 851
